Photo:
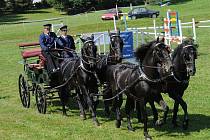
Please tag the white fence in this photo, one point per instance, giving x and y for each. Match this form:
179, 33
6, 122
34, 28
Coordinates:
155, 31
101, 39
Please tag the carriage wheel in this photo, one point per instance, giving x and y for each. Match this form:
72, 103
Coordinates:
24, 91
41, 99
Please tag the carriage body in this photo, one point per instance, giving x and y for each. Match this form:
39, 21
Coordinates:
33, 63
34, 79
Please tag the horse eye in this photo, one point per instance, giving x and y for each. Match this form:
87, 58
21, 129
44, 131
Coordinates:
187, 57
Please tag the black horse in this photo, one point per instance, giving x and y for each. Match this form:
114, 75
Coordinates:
79, 74
139, 81
112, 58
183, 59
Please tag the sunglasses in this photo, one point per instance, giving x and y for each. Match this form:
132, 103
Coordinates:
47, 28
64, 30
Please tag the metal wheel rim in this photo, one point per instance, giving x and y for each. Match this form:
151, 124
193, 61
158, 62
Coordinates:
40, 99
24, 91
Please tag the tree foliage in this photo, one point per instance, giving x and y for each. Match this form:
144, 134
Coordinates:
17, 5
78, 6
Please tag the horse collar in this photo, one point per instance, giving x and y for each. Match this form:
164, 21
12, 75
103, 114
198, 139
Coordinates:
179, 81
88, 41
187, 46
144, 77
82, 66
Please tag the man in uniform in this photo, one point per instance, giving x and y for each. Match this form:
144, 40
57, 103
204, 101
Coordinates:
47, 41
66, 42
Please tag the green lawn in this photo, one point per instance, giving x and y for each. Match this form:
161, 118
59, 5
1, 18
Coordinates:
19, 123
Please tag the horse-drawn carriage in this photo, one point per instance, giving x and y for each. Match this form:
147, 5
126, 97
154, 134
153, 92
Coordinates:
34, 80
141, 83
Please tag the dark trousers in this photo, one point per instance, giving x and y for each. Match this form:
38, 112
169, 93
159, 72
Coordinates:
51, 63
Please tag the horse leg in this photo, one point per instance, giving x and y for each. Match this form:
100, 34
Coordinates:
128, 107
159, 99
174, 119
186, 117
155, 113
165, 108
107, 94
90, 105
79, 101
117, 105
144, 116
139, 116
61, 94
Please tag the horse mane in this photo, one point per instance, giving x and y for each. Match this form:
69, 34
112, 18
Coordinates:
128, 65
142, 50
102, 62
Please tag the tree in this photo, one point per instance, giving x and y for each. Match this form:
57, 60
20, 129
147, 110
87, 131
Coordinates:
18, 5
2, 6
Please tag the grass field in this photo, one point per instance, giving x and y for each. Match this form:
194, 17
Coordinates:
26, 124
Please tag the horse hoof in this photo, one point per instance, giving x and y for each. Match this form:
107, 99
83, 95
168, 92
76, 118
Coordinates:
175, 125
83, 117
185, 125
96, 122
118, 124
158, 123
147, 137
107, 114
65, 114
140, 121
130, 129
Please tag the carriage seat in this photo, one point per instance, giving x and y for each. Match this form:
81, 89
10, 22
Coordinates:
35, 52
31, 53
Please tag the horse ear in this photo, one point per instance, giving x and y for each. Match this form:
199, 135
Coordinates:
163, 39
83, 40
109, 32
118, 31
92, 37
158, 39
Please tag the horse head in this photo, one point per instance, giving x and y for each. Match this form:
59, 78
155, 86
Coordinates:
188, 56
89, 52
155, 56
116, 46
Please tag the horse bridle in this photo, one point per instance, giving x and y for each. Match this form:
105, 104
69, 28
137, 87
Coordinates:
155, 67
111, 46
86, 56
186, 63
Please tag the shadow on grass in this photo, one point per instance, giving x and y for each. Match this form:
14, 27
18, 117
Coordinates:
16, 18
8, 19
177, 2
197, 123
4, 97
35, 12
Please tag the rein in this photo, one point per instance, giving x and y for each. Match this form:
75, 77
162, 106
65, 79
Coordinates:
62, 85
142, 77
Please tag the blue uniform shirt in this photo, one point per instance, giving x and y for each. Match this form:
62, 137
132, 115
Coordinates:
47, 41
67, 42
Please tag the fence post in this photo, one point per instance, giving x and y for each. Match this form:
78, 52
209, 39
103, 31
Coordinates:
142, 37
180, 30
115, 26
137, 38
104, 43
194, 31
52, 28
155, 31
99, 42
